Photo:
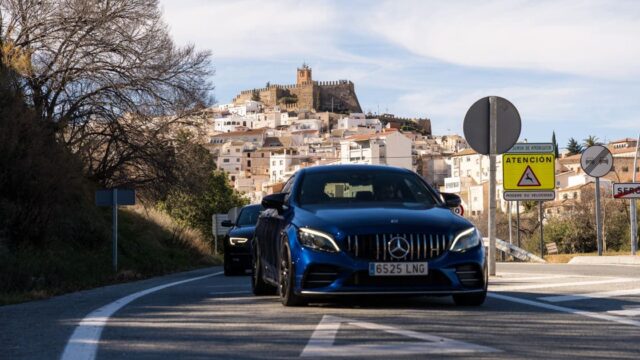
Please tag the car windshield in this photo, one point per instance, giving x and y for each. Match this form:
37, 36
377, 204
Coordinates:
365, 187
249, 215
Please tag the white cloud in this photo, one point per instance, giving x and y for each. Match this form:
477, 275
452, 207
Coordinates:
252, 29
537, 106
592, 38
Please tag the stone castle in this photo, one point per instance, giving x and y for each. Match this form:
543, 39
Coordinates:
306, 95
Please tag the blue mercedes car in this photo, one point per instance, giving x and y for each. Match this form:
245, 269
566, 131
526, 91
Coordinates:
365, 230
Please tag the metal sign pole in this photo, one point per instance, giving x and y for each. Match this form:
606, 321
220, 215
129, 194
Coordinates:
634, 211
114, 231
541, 230
518, 222
598, 220
493, 149
214, 230
510, 226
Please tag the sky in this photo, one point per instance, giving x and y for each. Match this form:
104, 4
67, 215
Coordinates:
572, 67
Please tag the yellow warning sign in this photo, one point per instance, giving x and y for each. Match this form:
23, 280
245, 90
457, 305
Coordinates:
529, 171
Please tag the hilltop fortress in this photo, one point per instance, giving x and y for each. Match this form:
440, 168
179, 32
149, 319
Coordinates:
334, 96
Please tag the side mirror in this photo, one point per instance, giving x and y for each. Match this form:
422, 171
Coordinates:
451, 200
227, 223
274, 201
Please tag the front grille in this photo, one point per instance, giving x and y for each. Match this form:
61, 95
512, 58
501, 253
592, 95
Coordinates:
376, 246
470, 276
320, 276
362, 278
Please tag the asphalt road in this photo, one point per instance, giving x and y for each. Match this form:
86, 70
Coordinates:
534, 311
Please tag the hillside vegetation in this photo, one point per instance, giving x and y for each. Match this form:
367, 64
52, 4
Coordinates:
107, 100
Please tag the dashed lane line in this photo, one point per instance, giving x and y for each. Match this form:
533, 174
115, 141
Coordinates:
594, 295
563, 309
499, 280
83, 343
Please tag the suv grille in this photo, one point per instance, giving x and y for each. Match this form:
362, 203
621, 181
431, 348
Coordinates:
376, 246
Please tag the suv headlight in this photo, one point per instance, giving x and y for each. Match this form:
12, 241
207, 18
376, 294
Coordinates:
237, 240
317, 240
466, 240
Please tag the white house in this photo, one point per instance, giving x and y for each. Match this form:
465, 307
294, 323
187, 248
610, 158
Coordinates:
232, 123
230, 156
388, 148
356, 120
279, 166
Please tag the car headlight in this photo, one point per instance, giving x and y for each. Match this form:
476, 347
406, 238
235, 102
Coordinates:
237, 240
317, 240
466, 240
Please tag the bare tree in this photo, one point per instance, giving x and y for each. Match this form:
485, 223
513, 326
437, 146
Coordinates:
106, 75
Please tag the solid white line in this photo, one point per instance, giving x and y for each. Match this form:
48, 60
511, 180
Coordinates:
565, 309
230, 292
626, 312
530, 278
596, 295
554, 285
83, 343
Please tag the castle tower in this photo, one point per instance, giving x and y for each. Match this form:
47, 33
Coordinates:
304, 74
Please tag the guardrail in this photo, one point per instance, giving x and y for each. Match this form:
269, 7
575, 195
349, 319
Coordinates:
514, 251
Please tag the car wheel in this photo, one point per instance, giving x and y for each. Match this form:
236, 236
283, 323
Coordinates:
287, 280
258, 285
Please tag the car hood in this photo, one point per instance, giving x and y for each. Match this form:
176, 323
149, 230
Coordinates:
370, 220
243, 231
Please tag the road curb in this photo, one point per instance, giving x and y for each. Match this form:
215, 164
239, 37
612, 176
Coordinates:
606, 260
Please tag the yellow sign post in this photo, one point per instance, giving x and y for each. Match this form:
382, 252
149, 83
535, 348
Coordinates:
526, 172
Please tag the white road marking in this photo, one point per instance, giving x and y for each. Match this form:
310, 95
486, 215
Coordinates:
230, 292
321, 343
595, 295
529, 278
565, 284
565, 309
626, 312
252, 298
83, 343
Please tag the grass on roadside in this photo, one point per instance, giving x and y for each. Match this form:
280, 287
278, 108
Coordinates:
150, 244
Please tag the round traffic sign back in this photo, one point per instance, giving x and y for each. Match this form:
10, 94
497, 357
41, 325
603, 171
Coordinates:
476, 125
596, 161
458, 210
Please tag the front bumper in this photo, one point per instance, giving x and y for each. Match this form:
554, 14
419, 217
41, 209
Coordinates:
333, 274
238, 256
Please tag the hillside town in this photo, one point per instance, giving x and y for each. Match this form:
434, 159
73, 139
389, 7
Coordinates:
265, 135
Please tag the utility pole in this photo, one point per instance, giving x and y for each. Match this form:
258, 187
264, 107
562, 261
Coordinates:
633, 205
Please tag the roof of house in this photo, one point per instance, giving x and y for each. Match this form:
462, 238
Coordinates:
260, 131
465, 152
623, 140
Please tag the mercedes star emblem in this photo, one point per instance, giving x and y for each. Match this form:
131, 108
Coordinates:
398, 247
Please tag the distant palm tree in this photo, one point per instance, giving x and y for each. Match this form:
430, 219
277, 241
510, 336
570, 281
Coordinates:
591, 140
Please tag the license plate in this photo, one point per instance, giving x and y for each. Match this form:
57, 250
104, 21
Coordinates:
398, 269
